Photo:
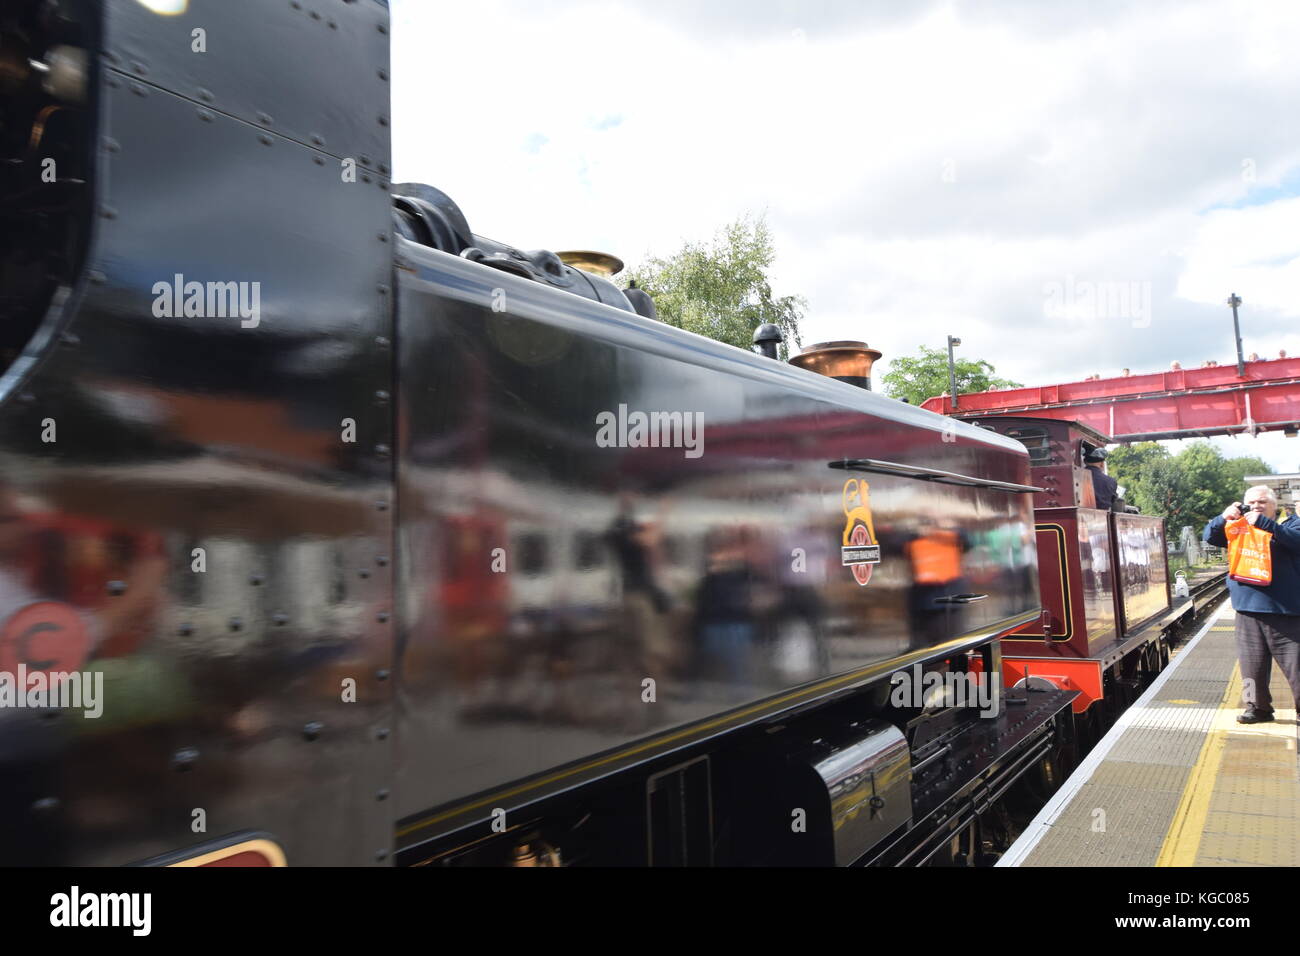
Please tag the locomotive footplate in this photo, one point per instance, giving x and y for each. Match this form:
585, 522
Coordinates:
961, 774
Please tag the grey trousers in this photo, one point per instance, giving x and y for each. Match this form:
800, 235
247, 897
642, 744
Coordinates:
1262, 639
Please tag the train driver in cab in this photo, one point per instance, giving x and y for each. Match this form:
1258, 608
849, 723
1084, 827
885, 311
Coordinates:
1104, 487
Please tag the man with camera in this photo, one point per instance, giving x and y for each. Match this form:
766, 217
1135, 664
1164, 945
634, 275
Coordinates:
1266, 598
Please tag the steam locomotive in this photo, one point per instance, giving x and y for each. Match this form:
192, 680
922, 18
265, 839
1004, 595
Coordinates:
1110, 618
392, 544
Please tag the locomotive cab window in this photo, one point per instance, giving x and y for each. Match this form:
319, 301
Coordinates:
1036, 442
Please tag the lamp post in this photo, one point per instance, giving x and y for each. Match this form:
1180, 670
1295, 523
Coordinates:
1234, 300
952, 370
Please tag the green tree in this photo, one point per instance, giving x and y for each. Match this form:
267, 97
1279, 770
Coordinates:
1207, 486
1189, 488
915, 378
1160, 491
1128, 464
721, 290
1239, 468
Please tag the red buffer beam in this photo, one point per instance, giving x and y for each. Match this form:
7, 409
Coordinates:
1186, 403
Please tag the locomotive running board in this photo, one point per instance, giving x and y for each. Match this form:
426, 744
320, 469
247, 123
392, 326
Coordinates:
1087, 674
1018, 739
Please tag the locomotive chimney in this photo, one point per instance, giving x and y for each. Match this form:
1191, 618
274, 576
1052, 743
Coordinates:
847, 361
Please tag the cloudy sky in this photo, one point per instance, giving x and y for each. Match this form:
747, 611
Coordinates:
1070, 188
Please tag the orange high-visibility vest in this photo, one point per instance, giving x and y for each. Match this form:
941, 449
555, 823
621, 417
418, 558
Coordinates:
1250, 557
936, 558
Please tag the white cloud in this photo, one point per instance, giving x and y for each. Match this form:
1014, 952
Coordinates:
925, 170
1255, 248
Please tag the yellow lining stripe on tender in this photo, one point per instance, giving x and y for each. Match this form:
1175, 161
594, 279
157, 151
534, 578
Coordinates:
1033, 637
1183, 839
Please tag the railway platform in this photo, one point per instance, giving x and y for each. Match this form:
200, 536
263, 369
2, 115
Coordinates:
1177, 781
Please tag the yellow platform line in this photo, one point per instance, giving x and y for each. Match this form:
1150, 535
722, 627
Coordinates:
1183, 838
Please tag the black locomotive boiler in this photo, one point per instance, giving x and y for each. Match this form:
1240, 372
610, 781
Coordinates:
389, 543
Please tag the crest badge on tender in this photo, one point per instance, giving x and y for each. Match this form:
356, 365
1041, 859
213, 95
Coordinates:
860, 550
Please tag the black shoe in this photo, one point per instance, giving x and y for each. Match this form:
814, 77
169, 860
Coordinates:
1255, 717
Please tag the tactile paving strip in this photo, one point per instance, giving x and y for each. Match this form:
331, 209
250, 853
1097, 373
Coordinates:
1252, 817
1124, 811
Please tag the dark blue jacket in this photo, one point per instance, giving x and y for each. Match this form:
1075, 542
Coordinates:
1283, 595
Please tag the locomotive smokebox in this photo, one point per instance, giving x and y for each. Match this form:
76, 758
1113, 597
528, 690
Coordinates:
847, 361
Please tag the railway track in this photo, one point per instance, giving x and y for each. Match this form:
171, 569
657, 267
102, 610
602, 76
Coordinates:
1208, 589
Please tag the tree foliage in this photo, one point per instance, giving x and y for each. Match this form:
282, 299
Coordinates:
721, 289
915, 378
1189, 488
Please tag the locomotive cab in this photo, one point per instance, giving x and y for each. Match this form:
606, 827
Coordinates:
1103, 575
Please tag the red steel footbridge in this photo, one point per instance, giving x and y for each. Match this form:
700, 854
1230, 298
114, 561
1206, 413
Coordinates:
1181, 403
